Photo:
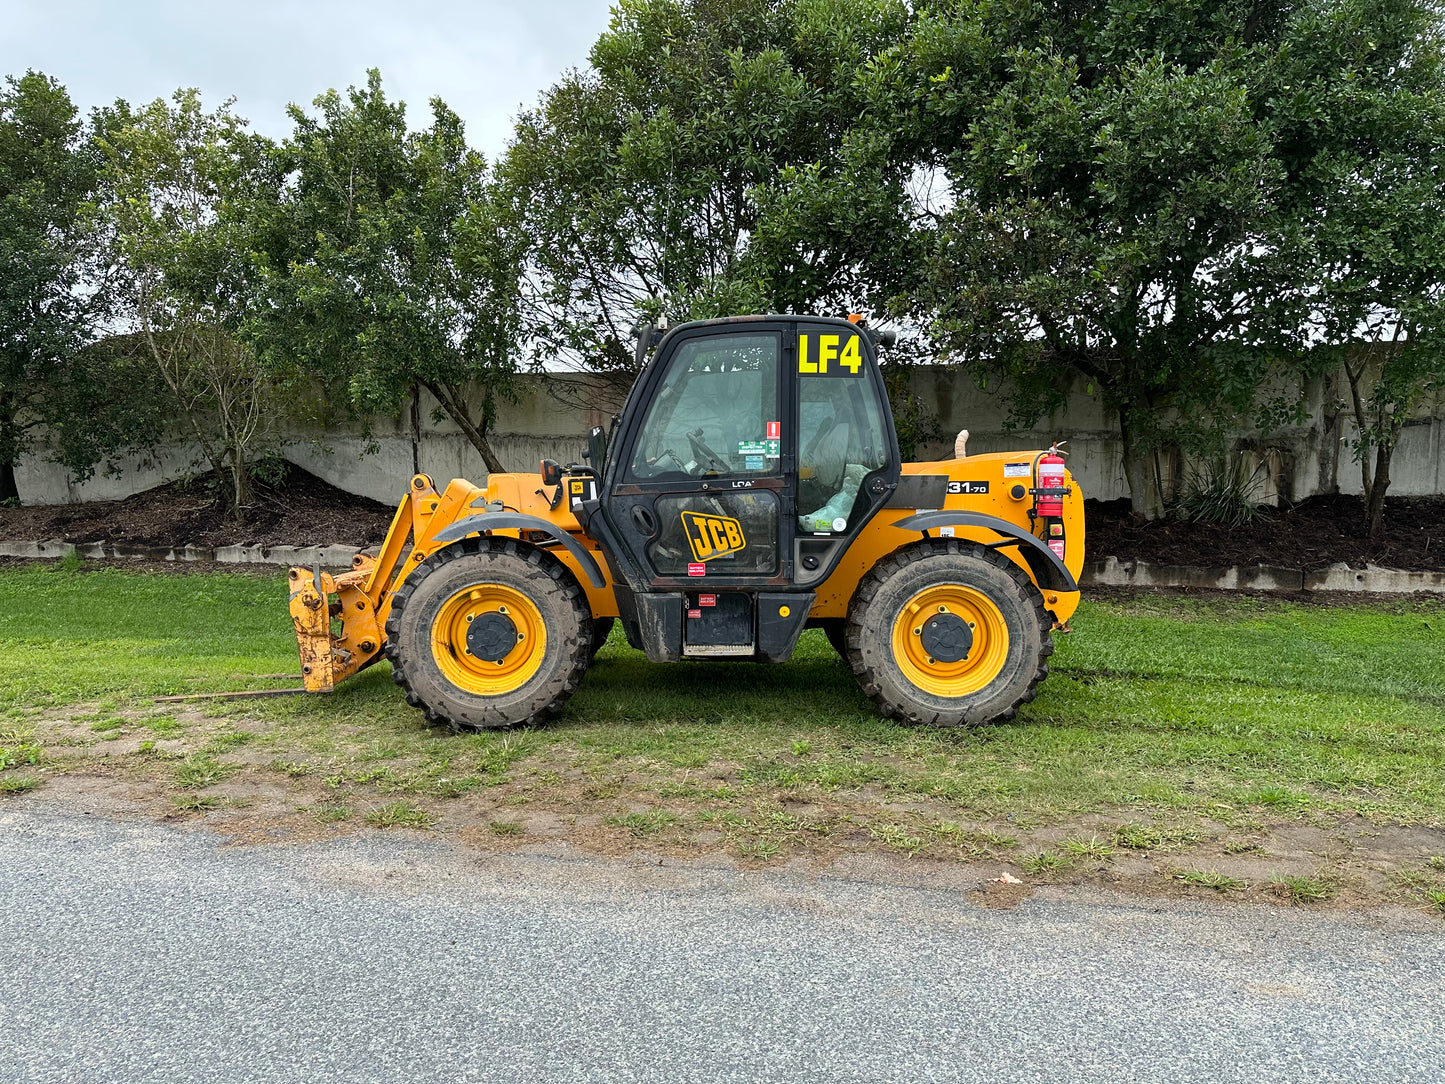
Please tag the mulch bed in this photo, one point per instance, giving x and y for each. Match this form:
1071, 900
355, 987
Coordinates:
1315, 533
302, 511
305, 511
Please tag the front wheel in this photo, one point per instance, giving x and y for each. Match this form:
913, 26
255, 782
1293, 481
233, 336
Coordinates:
487, 633
948, 633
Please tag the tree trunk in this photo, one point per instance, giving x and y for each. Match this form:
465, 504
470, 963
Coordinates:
10, 451
240, 486
1375, 500
415, 428
9, 492
457, 412
1142, 473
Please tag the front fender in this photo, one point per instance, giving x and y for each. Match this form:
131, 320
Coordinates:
483, 522
1048, 570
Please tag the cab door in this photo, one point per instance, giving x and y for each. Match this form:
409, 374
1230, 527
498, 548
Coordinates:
701, 485
847, 452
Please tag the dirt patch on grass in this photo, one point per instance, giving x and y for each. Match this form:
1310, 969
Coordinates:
1314, 861
299, 510
1315, 533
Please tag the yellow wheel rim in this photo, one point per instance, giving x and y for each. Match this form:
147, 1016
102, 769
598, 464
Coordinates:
481, 676
986, 655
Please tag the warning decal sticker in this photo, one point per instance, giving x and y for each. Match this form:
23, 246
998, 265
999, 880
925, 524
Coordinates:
766, 448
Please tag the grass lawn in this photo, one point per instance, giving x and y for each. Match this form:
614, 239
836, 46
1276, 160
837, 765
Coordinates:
1177, 728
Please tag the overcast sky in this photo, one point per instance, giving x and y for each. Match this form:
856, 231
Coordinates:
486, 59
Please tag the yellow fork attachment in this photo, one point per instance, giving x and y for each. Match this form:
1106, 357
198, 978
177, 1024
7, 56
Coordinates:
328, 657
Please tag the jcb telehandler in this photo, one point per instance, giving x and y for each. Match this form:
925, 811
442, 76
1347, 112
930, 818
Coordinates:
751, 488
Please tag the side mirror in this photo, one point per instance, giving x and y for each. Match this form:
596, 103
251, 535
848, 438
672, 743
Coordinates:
551, 472
644, 344
596, 453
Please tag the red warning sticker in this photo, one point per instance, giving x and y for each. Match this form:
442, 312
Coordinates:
694, 614
697, 568
707, 600
775, 431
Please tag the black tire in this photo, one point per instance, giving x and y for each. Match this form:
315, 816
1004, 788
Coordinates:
836, 629
880, 600
544, 581
601, 629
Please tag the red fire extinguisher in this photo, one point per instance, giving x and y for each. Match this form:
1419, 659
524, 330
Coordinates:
1049, 492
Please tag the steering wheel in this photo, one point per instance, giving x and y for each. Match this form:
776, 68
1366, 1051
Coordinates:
668, 453
700, 448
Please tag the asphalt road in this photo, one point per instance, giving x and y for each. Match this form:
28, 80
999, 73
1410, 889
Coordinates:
136, 952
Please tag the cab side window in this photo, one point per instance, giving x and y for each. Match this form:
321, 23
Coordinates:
715, 412
840, 431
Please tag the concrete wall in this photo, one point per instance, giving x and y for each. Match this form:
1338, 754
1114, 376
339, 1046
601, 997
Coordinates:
555, 411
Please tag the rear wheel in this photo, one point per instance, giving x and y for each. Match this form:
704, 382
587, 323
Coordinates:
949, 634
489, 633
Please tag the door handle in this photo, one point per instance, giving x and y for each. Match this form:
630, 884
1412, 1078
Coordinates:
643, 521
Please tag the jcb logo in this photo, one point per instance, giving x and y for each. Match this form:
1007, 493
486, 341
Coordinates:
712, 536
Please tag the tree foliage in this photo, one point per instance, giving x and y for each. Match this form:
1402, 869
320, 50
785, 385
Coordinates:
387, 266
1367, 86
709, 162
187, 185
75, 405
1110, 166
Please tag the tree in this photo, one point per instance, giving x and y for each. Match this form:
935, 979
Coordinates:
56, 397
709, 162
1372, 211
387, 266
1112, 168
187, 188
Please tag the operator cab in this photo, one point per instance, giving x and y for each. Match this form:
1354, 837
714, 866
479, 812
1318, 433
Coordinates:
749, 455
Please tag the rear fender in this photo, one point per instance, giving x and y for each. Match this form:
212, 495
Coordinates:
1049, 572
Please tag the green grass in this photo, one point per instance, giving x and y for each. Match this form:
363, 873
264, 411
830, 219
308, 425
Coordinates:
644, 824
1303, 889
1042, 863
401, 814
1202, 878
1153, 837
1167, 709
332, 812
1093, 847
201, 771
